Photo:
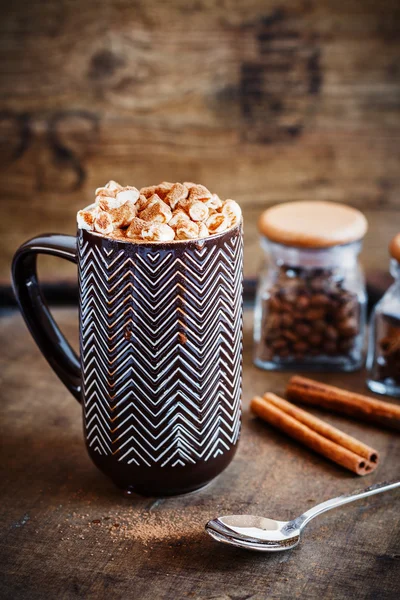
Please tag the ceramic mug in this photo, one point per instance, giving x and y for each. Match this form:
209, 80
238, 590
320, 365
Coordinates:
160, 367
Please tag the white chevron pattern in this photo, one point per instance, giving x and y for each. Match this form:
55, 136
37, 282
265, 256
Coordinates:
161, 344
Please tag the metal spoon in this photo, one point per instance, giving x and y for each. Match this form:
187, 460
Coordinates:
267, 535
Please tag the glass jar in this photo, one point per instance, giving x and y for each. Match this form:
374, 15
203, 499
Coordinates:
383, 363
311, 301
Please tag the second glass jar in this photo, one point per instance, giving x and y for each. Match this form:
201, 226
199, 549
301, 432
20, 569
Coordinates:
383, 361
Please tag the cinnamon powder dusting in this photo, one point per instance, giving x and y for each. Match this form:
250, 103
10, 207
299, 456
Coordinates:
148, 525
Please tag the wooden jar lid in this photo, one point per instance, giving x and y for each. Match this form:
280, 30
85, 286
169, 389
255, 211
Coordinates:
313, 224
394, 247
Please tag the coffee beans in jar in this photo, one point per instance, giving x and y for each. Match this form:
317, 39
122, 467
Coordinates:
311, 301
308, 312
384, 341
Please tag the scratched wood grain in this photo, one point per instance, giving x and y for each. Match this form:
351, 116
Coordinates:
67, 533
263, 100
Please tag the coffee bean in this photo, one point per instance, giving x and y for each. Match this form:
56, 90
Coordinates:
289, 335
279, 344
314, 314
283, 353
348, 327
286, 307
274, 304
287, 319
298, 316
319, 300
315, 339
300, 347
272, 334
331, 333
319, 325
334, 305
302, 302
273, 321
329, 347
303, 330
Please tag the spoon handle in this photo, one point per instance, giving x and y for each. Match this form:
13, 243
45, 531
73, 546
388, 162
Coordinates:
377, 488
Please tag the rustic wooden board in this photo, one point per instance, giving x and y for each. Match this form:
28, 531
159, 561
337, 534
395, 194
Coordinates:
66, 532
260, 100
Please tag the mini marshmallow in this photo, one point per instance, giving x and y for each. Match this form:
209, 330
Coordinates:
103, 223
178, 216
232, 211
103, 191
199, 192
217, 223
128, 193
135, 228
214, 202
148, 191
142, 203
203, 230
198, 211
85, 219
163, 189
177, 194
187, 231
158, 232
113, 185
156, 211
122, 216
109, 202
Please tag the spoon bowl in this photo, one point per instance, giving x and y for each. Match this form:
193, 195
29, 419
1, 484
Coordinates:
267, 535
254, 533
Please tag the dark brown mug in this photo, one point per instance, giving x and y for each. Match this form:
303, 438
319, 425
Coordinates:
160, 367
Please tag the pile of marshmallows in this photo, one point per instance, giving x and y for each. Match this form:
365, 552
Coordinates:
160, 213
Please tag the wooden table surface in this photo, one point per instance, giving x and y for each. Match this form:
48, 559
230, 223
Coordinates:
67, 532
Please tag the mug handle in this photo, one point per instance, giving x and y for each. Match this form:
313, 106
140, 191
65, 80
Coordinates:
46, 333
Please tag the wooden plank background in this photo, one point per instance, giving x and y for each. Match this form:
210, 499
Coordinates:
263, 100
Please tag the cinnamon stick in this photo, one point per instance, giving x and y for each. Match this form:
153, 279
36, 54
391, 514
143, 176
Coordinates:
329, 397
316, 434
323, 428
